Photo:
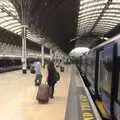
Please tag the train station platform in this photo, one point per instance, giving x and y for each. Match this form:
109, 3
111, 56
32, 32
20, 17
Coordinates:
72, 100
18, 97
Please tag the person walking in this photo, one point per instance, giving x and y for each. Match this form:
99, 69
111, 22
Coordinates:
51, 78
38, 75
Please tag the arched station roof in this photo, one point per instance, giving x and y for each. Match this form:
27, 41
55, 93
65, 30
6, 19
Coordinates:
10, 20
70, 22
11, 28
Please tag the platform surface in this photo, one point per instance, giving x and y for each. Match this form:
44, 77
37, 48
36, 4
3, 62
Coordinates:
18, 97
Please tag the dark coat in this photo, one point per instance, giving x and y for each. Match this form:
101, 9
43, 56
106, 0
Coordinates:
51, 74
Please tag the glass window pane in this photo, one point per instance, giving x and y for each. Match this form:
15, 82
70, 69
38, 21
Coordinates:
118, 98
106, 69
119, 89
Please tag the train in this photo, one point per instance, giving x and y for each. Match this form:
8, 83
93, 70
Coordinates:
100, 70
12, 62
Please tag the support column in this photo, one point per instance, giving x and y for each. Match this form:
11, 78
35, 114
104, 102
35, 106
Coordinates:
24, 16
51, 54
42, 53
24, 56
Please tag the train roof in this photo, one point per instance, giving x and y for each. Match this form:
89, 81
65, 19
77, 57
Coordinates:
112, 41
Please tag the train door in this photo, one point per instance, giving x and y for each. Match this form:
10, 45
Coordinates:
105, 75
117, 102
117, 85
90, 71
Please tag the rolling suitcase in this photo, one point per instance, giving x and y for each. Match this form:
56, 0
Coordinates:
43, 93
38, 80
62, 69
32, 70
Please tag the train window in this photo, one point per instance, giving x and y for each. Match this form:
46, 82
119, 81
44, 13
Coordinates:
118, 64
91, 68
119, 89
106, 63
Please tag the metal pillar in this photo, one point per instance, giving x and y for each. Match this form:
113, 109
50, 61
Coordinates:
42, 53
24, 56
51, 54
24, 33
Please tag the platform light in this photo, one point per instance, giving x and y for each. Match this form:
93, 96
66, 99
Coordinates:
104, 38
74, 39
76, 52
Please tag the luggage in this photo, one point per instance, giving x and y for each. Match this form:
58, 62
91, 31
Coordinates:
32, 70
43, 93
38, 80
62, 69
57, 76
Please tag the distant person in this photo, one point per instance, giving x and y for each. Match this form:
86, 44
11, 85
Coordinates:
38, 75
51, 78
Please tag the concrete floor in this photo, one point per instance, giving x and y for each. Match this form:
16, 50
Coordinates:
18, 97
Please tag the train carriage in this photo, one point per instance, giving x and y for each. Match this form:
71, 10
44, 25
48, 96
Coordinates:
101, 67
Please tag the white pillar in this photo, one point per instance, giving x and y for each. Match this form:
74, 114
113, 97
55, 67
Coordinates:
24, 57
42, 53
24, 33
51, 55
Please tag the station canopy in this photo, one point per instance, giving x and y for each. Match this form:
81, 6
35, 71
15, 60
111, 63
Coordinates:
65, 23
10, 20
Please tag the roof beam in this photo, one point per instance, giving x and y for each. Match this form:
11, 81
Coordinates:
101, 14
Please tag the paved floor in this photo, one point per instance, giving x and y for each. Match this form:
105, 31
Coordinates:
18, 93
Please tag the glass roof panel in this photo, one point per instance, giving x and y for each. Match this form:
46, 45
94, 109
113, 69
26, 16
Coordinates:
91, 9
19, 33
8, 6
19, 30
102, 31
113, 10
92, 4
86, 23
15, 28
12, 25
101, 28
1, 20
98, 15
107, 23
110, 21
92, 19
89, 17
116, 1
82, 2
112, 15
90, 13
8, 18
9, 23
3, 15
114, 6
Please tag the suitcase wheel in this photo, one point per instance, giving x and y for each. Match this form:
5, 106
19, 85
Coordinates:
43, 101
